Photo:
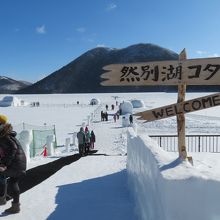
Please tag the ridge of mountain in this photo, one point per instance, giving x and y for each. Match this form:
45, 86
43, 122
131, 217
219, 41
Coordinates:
9, 85
82, 75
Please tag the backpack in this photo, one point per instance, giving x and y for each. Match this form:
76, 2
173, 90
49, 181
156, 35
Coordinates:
87, 137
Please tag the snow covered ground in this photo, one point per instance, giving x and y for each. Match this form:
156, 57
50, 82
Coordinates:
96, 186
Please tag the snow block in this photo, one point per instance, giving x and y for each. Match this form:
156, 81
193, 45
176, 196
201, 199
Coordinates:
166, 188
50, 144
25, 138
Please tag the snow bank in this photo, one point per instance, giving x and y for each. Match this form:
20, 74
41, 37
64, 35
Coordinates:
136, 103
10, 101
95, 101
166, 188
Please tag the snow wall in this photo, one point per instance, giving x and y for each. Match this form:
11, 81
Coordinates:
162, 191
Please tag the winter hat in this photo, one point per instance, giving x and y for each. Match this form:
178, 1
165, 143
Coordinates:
3, 119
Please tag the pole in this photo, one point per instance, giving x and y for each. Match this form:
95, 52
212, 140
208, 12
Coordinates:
181, 117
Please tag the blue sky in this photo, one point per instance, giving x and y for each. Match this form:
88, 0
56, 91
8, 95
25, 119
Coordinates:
38, 37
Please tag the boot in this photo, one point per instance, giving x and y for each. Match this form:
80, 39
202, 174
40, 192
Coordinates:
3, 200
15, 208
3, 187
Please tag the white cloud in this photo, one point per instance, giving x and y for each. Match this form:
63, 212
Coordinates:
100, 45
41, 29
201, 52
81, 29
111, 6
214, 55
206, 53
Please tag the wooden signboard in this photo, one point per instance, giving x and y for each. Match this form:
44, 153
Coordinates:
172, 72
180, 72
180, 108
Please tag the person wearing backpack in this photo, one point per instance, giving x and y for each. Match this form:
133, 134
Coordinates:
12, 165
81, 141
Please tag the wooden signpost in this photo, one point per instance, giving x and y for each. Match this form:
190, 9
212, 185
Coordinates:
181, 117
180, 72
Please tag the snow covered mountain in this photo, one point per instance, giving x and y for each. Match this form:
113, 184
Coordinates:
8, 85
82, 75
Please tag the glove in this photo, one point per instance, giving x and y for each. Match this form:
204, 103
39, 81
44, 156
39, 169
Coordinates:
3, 168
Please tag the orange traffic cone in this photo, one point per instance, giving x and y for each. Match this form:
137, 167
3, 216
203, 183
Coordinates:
45, 152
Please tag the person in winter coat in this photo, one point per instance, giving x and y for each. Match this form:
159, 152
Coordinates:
81, 141
106, 116
88, 136
114, 117
12, 165
102, 116
131, 119
92, 140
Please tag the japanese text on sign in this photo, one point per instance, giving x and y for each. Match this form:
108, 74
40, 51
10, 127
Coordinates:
166, 73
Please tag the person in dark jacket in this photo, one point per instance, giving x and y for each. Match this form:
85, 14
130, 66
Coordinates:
12, 164
87, 140
81, 141
131, 119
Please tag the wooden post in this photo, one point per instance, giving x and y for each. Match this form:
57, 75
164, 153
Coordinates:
181, 117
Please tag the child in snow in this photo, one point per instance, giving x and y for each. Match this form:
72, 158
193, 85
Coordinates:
92, 140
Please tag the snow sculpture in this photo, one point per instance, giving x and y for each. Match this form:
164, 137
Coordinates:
136, 103
67, 144
95, 101
83, 124
88, 120
126, 107
50, 147
92, 115
10, 101
25, 139
74, 138
125, 120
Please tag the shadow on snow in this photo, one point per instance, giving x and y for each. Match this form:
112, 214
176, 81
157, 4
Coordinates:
99, 198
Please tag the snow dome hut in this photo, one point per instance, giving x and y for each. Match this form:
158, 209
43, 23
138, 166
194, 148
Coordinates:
126, 107
10, 101
95, 101
136, 103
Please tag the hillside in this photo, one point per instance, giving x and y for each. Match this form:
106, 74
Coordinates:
82, 75
8, 85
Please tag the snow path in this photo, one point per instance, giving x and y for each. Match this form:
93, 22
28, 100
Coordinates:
94, 187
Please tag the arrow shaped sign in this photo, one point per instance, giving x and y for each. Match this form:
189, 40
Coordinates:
182, 107
204, 71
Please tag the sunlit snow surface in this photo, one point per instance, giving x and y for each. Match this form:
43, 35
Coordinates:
95, 187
